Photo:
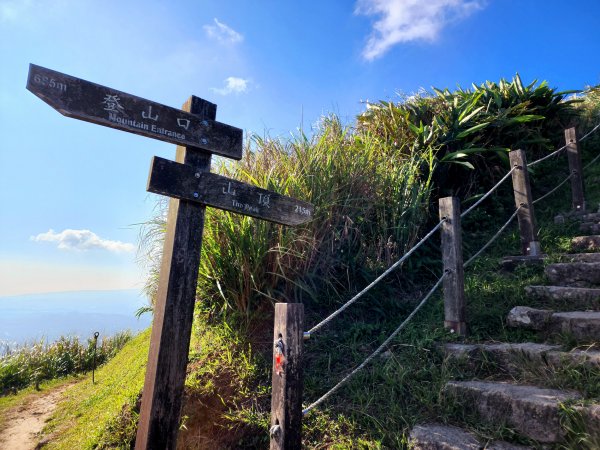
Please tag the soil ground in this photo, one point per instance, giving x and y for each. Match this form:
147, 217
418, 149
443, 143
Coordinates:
24, 422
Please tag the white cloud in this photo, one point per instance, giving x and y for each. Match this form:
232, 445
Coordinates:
409, 20
82, 240
223, 33
233, 85
13, 10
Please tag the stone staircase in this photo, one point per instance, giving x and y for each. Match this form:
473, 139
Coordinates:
523, 401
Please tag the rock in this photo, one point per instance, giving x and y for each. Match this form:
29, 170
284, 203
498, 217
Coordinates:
522, 357
509, 263
446, 437
526, 317
579, 274
581, 257
574, 297
582, 325
589, 227
591, 217
532, 411
442, 437
589, 358
586, 242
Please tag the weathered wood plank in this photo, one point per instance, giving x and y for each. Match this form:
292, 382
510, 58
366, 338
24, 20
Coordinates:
528, 229
286, 399
181, 181
91, 102
575, 169
452, 257
174, 307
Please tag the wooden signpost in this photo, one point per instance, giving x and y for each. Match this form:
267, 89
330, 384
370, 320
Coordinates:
80, 99
191, 187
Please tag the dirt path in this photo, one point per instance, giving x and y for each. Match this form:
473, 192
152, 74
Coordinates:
25, 422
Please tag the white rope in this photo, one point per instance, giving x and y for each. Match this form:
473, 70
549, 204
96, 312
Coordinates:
591, 162
553, 190
556, 152
593, 130
376, 352
502, 228
596, 158
487, 194
377, 280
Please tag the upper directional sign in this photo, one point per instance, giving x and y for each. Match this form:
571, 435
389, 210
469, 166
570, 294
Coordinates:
182, 181
74, 97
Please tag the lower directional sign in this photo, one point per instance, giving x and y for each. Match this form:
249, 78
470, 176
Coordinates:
182, 181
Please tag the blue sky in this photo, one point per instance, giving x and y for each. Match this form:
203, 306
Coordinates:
72, 192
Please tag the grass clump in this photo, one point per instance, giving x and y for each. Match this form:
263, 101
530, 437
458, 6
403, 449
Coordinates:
32, 364
104, 414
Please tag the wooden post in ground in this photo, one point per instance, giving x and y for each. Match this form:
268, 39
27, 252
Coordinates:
173, 311
575, 169
452, 257
530, 245
286, 400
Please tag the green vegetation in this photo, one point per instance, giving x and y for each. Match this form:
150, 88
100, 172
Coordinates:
375, 186
104, 414
31, 364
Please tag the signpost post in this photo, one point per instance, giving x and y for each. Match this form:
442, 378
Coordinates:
191, 187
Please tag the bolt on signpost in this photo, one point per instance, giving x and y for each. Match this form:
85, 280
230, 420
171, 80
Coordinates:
191, 187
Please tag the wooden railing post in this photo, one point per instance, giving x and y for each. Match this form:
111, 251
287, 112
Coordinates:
574, 156
287, 384
454, 290
530, 245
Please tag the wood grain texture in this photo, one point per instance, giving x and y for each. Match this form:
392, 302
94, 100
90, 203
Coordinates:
182, 181
452, 257
174, 307
576, 170
286, 400
91, 102
522, 189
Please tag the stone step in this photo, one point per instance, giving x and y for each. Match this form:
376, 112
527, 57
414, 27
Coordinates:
531, 411
578, 274
574, 297
446, 437
591, 217
581, 325
586, 242
509, 263
580, 257
583, 216
514, 358
590, 227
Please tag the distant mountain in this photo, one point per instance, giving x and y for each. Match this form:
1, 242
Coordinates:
28, 318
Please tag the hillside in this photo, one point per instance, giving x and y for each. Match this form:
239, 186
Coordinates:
376, 188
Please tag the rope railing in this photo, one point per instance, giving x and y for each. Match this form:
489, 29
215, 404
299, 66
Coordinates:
494, 237
556, 152
592, 162
547, 194
488, 193
589, 133
387, 342
377, 280
584, 137
376, 352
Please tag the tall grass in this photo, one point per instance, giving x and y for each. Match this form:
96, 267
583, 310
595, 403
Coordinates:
370, 206
40, 361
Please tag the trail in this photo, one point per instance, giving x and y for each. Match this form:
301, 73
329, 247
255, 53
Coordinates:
26, 421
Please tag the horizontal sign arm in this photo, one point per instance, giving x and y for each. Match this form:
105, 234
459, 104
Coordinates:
81, 99
183, 182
